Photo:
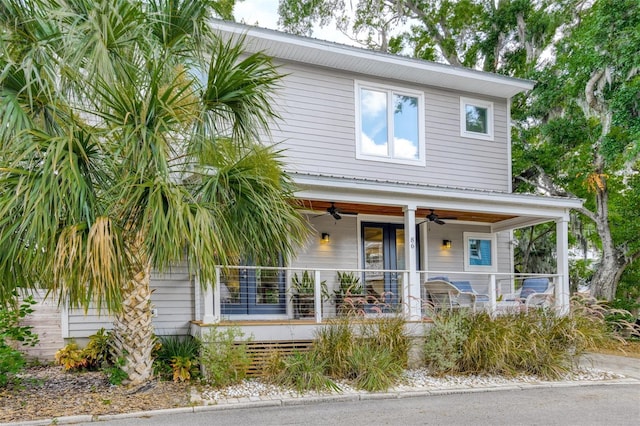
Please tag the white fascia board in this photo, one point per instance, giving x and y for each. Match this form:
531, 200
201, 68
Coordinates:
374, 193
354, 59
521, 222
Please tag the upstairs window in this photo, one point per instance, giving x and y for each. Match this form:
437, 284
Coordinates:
476, 119
389, 124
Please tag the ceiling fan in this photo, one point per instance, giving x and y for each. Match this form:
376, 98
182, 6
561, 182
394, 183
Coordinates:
333, 211
433, 217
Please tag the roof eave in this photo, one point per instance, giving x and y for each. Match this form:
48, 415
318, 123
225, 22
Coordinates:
372, 63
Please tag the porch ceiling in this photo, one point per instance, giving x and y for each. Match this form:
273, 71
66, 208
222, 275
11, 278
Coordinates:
374, 209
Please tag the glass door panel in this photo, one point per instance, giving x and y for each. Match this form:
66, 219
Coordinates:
374, 260
383, 248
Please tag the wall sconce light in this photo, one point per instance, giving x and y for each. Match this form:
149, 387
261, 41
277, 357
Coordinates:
325, 237
446, 244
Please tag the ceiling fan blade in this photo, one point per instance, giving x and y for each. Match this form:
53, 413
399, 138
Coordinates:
438, 221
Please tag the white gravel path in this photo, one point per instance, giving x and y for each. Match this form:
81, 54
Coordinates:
413, 380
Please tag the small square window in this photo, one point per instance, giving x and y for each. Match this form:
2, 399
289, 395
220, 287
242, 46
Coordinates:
476, 119
480, 252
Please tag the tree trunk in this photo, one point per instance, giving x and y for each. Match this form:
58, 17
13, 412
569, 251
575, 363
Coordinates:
612, 262
133, 330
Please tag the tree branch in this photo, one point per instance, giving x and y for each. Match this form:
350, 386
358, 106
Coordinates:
451, 57
590, 91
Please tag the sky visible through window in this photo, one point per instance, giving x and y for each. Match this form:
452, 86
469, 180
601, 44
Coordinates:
375, 114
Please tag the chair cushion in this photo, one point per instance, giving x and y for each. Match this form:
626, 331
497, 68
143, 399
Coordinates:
533, 285
463, 286
440, 278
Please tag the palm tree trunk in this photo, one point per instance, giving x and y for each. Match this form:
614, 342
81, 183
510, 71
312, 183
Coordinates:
133, 331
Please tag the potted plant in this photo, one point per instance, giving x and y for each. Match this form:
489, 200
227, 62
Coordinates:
349, 287
303, 288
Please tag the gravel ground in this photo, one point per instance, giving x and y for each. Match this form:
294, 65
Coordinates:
49, 392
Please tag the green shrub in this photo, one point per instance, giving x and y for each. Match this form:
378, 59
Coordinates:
115, 374
98, 349
536, 342
442, 349
177, 357
371, 353
334, 343
224, 361
11, 332
96, 355
11, 362
388, 333
71, 357
374, 368
301, 371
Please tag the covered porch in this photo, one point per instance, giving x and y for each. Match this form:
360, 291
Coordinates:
392, 238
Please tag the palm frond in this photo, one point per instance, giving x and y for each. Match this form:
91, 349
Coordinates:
237, 97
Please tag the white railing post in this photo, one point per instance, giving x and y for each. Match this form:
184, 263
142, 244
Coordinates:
317, 293
217, 301
208, 317
197, 296
492, 293
411, 281
562, 259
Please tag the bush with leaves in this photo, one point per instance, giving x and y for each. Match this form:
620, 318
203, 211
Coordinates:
11, 334
372, 353
334, 343
223, 357
177, 358
537, 342
444, 340
94, 356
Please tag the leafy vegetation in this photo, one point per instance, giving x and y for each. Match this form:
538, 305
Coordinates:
12, 333
129, 142
95, 355
224, 358
371, 354
537, 342
302, 371
177, 358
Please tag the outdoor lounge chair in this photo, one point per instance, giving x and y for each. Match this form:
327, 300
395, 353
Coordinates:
535, 292
465, 286
444, 295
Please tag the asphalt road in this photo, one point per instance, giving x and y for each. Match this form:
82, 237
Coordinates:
608, 405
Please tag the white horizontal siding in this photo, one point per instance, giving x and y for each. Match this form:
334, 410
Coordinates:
317, 130
340, 253
172, 297
452, 259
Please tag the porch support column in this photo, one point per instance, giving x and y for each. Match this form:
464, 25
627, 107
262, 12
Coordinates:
211, 295
411, 289
562, 291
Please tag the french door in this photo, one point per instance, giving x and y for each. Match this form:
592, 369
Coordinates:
383, 249
253, 291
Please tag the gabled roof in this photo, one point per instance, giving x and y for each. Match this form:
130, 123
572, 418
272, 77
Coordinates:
372, 63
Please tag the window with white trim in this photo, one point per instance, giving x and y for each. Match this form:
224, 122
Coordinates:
476, 119
480, 252
389, 124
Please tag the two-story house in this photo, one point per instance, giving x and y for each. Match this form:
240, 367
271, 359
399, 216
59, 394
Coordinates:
404, 172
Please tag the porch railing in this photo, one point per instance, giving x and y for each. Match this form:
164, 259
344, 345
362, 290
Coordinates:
271, 293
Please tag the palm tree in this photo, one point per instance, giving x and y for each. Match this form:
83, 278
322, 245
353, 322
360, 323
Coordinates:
128, 141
